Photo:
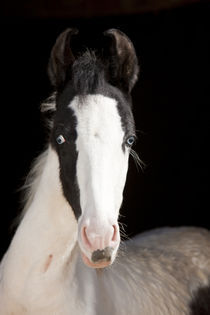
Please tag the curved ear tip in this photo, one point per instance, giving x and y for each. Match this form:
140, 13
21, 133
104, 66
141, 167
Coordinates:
113, 31
110, 30
72, 31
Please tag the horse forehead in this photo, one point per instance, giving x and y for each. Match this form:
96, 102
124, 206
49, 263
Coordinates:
97, 113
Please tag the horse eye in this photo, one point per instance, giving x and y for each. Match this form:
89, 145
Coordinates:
130, 141
60, 139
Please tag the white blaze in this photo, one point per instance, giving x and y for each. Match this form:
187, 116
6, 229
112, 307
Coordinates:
102, 164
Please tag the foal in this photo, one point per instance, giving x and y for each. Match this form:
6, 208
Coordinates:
64, 257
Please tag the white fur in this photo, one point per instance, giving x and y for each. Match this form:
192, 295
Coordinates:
48, 228
102, 164
42, 271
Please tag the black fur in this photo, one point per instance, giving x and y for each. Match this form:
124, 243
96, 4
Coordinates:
65, 124
87, 75
200, 304
61, 59
122, 61
119, 58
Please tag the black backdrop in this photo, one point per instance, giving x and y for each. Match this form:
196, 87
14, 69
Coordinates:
171, 107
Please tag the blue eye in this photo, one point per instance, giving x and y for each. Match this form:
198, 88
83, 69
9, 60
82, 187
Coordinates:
130, 141
60, 139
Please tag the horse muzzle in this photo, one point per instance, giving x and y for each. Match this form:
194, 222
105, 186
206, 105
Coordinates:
99, 243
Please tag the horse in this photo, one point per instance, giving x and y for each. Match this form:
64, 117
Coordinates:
66, 257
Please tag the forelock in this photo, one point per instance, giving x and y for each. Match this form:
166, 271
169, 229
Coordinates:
88, 74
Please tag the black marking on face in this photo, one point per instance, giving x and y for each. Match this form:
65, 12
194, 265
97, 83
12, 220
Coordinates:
200, 305
65, 124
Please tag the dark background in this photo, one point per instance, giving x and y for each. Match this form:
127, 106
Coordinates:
171, 102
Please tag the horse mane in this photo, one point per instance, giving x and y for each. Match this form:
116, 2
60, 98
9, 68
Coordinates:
31, 184
32, 180
49, 105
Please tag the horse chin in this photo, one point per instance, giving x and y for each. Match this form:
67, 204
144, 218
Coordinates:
95, 265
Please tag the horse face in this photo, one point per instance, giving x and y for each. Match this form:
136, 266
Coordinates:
92, 133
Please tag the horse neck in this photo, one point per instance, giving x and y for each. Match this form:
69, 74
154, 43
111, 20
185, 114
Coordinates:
46, 236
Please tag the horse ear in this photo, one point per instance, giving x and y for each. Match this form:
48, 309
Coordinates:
61, 58
123, 66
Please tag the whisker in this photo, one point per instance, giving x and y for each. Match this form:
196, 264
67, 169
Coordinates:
137, 160
123, 233
122, 216
141, 132
122, 225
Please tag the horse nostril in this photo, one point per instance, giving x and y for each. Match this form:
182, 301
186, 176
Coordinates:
85, 237
115, 233
94, 237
